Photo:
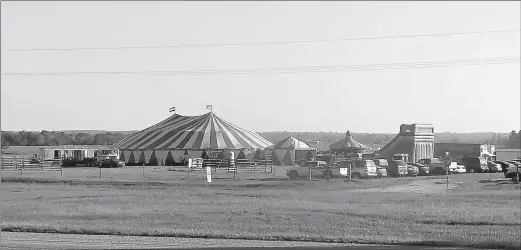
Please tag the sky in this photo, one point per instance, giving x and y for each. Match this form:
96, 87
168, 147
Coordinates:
473, 98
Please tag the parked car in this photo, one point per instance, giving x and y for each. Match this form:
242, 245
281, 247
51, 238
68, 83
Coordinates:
381, 167
512, 169
423, 170
475, 164
111, 163
436, 166
412, 170
317, 168
493, 167
397, 168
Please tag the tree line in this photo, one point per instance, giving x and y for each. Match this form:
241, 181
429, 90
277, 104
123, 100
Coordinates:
56, 138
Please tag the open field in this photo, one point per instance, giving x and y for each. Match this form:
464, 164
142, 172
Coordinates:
478, 210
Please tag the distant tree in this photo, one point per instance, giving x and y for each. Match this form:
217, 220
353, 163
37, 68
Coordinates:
492, 139
517, 141
513, 140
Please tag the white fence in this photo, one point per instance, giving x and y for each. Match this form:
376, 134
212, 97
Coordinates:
219, 165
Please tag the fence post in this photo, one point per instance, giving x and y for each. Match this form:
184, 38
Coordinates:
447, 174
61, 170
352, 163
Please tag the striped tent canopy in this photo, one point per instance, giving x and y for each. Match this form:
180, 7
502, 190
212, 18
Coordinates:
206, 131
291, 143
348, 144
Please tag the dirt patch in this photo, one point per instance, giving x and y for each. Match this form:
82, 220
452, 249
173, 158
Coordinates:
420, 186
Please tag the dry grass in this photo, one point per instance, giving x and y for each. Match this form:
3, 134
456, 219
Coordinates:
479, 211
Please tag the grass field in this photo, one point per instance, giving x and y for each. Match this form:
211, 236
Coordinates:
478, 210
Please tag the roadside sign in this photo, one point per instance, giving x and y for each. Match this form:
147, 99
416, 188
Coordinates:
343, 171
209, 174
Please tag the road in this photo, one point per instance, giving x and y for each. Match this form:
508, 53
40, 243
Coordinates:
10, 240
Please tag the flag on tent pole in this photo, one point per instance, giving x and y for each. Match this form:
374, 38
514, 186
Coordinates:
209, 107
172, 109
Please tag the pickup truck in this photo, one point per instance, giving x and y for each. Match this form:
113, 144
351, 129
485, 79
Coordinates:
436, 166
318, 169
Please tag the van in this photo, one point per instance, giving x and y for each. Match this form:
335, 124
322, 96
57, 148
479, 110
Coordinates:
397, 168
475, 164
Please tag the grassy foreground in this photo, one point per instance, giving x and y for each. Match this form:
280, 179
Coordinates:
479, 210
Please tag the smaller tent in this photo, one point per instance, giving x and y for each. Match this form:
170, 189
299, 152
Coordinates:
347, 145
297, 150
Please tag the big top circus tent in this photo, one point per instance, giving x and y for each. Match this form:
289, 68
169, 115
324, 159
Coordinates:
179, 137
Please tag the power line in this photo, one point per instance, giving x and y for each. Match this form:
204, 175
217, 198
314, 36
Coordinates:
288, 70
266, 43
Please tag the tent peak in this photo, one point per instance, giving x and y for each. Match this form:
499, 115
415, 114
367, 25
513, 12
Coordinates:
348, 134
